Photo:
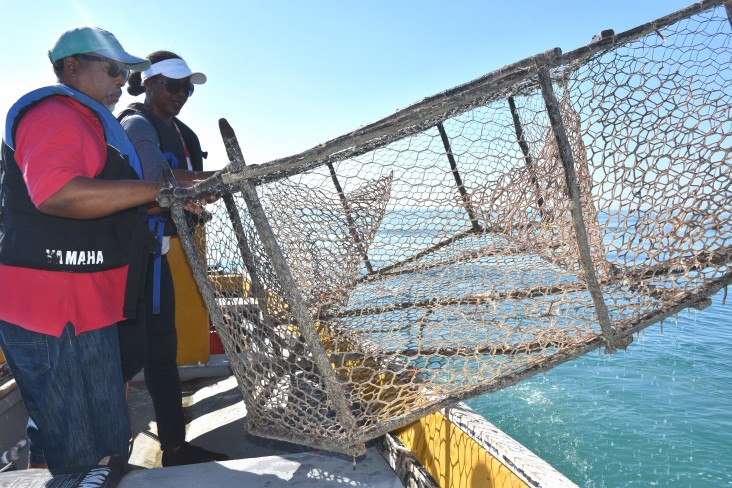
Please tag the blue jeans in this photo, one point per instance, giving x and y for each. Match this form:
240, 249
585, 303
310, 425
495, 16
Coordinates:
72, 388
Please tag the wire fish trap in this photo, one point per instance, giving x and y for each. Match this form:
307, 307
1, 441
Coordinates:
476, 238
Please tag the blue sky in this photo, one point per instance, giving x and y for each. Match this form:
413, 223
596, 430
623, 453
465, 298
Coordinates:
289, 75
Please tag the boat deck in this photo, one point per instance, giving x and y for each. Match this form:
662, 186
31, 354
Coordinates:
216, 419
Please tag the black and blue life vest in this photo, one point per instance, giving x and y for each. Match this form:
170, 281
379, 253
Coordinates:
32, 239
161, 224
174, 153
170, 144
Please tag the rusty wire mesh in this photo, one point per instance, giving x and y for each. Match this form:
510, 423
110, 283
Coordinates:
476, 238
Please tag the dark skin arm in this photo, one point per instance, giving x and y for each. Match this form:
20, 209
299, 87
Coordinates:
86, 198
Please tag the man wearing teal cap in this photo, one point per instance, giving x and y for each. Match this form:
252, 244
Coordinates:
93, 39
71, 247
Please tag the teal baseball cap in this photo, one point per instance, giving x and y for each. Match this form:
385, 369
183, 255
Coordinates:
80, 40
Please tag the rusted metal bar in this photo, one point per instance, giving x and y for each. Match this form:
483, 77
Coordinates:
463, 257
332, 385
558, 341
199, 271
417, 256
237, 160
236, 157
681, 265
458, 180
527, 154
539, 291
349, 219
573, 190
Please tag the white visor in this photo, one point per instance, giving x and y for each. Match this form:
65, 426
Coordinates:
173, 68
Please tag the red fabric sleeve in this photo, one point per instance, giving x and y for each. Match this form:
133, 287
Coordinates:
56, 141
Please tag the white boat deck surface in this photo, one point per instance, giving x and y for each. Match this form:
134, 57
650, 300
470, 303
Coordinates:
216, 416
303, 469
216, 420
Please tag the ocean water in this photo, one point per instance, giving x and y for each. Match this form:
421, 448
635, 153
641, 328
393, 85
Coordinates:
658, 414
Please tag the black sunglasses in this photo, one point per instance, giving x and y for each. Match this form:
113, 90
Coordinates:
174, 86
114, 70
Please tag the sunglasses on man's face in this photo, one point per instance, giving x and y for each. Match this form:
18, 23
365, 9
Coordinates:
114, 70
175, 86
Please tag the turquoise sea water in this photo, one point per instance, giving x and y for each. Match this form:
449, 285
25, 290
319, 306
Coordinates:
658, 414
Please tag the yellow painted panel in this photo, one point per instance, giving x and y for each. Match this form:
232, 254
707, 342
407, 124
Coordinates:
453, 458
191, 317
232, 284
2, 358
